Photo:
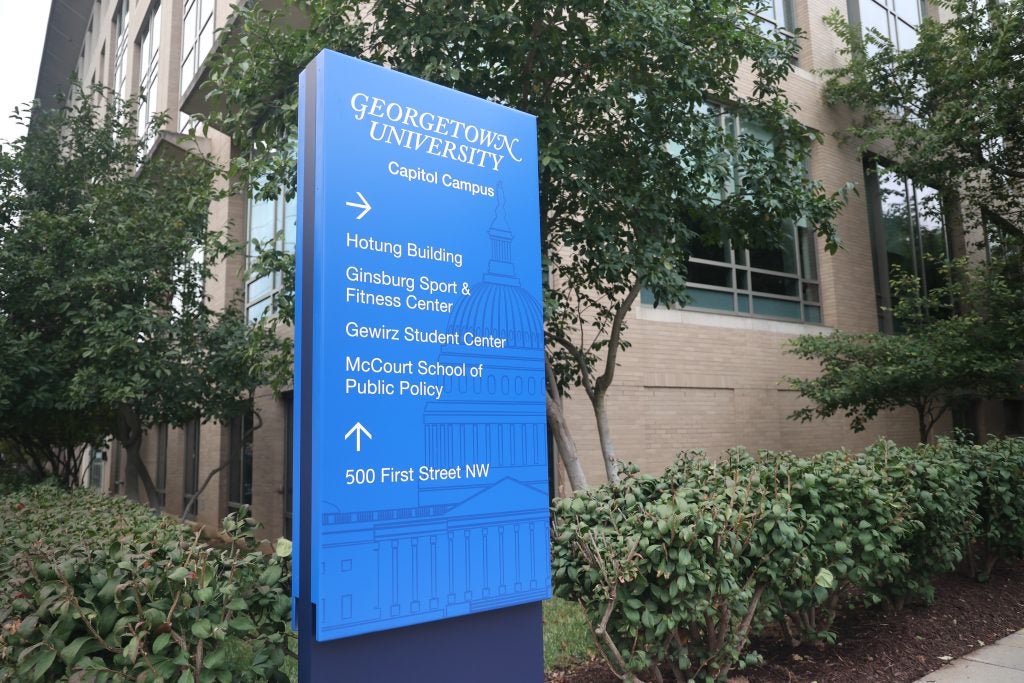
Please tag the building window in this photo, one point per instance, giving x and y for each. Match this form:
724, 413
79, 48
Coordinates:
240, 466
288, 404
1013, 417
98, 457
271, 223
191, 468
907, 234
161, 466
196, 38
771, 283
896, 20
121, 50
116, 480
776, 16
149, 68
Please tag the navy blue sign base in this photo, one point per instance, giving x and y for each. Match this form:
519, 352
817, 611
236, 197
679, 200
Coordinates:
499, 646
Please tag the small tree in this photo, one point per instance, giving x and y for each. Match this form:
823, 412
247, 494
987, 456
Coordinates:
947, 111
104, 253
633, 159
940, 361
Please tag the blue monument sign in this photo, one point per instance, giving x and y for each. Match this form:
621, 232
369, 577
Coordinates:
420, 414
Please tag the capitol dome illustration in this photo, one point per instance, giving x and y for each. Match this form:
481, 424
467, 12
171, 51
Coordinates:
495, 419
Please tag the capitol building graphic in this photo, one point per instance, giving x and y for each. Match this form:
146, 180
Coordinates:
473, 543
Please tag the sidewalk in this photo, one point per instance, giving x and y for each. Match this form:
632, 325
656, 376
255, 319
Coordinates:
1001, 662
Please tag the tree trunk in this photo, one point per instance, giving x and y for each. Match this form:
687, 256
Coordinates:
566, 445
922, 425
611, 466
953, 215
560, 429
129, 433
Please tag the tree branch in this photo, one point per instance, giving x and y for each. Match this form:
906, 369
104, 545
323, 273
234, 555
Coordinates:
614, 339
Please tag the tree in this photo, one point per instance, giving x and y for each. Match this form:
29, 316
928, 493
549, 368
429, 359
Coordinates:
947, 112
104, 251
633, 159
943, 359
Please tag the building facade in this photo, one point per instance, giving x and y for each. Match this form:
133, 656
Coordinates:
710, 376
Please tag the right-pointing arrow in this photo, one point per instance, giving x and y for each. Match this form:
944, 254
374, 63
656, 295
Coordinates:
365, 206
359, 430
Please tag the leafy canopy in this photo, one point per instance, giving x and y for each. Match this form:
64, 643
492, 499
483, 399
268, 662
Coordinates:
942, 360
104, 255
948, 110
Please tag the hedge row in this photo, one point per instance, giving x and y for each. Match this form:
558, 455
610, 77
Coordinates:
678, 571
95, 588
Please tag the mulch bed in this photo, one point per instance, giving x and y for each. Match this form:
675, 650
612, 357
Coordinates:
883, 647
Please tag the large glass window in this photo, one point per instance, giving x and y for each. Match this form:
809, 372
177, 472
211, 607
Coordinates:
775, 15
96, 461
117, 478
287, 403
240, 466
896, 20
149, 68
161, 466
773, 283
191, 468
907, 233
196, 38
121, 50
271, 223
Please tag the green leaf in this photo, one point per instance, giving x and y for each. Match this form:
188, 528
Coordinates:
824, 578
202, 628
161, 642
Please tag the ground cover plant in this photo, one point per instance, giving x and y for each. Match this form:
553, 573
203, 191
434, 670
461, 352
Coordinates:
97, 588
677, 572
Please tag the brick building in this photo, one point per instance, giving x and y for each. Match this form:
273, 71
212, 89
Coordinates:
710, 376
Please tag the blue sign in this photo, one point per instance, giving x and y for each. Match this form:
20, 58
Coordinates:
420, 400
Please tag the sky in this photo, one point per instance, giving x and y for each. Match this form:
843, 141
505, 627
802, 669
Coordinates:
22, 28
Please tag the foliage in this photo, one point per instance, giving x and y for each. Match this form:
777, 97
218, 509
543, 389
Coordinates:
104, 319
856, 522
997, 469
671, 570
94, 588
633, 159
676, 571
938, 492
947, 110
960, 342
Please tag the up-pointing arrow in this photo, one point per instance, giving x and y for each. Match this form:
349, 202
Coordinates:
365, 206
359, 430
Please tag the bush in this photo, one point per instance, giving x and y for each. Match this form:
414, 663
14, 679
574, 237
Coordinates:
939, 496
997, 469
676, 571
856, 522
671, 570
98, 588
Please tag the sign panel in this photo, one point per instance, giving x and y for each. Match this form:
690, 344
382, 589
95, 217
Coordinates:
419, 368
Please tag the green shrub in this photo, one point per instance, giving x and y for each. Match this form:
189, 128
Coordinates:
855, 524
676, 571
671, 570
99, 588
939, 497
997, 469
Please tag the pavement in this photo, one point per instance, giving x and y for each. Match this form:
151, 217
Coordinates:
1001, 662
